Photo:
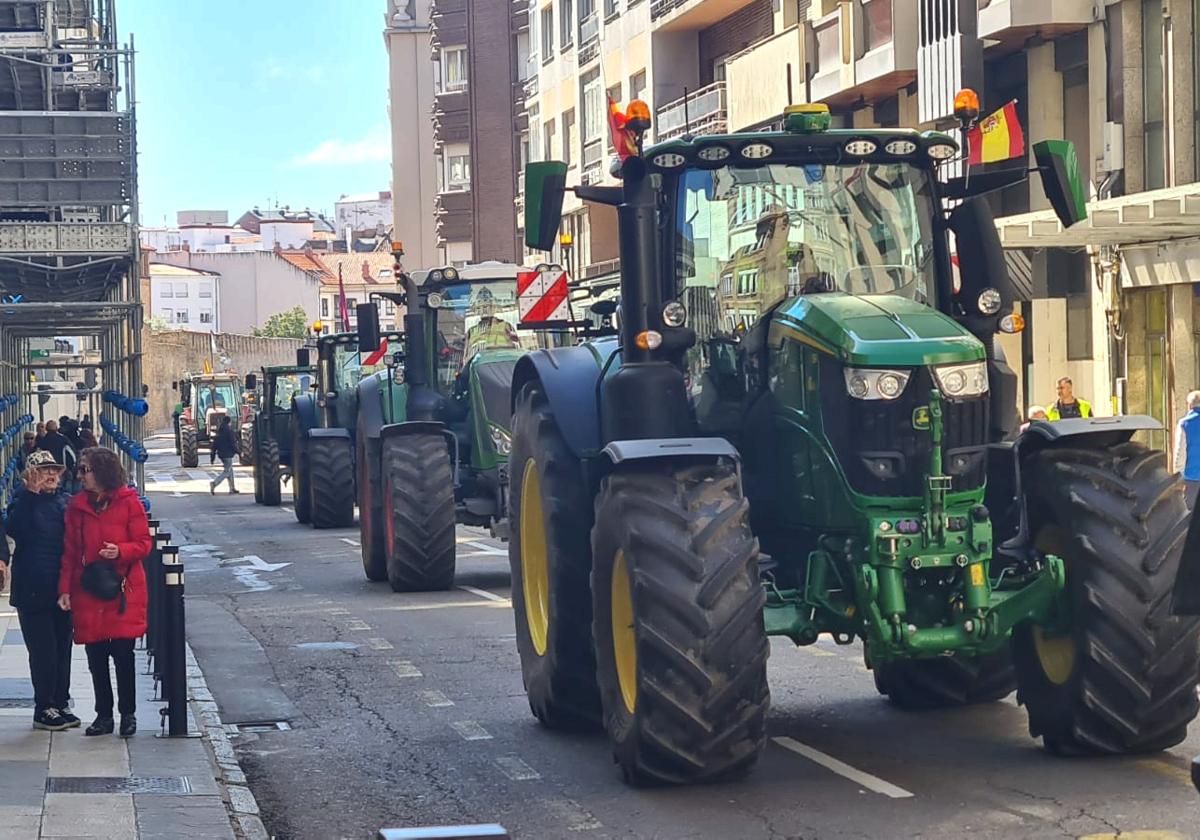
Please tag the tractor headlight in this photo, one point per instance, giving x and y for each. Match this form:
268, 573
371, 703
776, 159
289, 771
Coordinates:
673, 314
965, 380
868, 384
502, 440
989, 302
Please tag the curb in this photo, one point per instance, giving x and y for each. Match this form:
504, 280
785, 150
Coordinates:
239, 801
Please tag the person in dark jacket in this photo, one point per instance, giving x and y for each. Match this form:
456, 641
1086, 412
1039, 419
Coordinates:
36, 524
55, 442
225, 447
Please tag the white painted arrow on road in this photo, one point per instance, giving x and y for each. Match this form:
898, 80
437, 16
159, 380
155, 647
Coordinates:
258, 563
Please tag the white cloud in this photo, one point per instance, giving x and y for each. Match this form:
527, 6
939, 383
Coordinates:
376, 146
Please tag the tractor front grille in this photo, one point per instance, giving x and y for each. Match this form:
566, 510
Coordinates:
880, 451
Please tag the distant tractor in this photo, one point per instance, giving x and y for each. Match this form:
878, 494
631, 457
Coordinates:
323, 424
806, 429
271, 432
204, 398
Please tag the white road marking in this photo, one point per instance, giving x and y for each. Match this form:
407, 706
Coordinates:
467, 555
486, 549
471, 731
379, 644
436, 700
257, 562
286, 509
357, 625
483, 593
873, 783
576, 817
349, 541
198, 475
250, 579
516, 769
816, 651
451, 605
404, 670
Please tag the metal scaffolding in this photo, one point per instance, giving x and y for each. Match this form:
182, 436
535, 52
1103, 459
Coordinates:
69, 263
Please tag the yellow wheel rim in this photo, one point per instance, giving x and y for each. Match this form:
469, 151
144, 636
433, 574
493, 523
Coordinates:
624, 643
1056, 655
535, 566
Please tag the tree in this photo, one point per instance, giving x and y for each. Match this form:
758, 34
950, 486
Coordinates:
290, 324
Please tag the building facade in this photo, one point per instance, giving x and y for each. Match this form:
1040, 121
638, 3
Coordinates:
367, 214
410, 106
184, 298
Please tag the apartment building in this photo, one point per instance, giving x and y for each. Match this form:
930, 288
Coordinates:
475, 119
1110, 303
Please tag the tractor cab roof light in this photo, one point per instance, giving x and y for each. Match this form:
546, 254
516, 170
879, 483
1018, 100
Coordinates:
756, 151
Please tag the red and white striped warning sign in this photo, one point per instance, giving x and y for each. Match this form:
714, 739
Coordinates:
542, 296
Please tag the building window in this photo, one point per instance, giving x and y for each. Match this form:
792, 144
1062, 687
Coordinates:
181, 316
547, 24
637, 86
206, 316
568, 135
611, 9
548, 141
1155, 162
614, 92
458, 172
747, 281
726, 285
324, 307
181, 290
566, 24
877, 23
829, 46
167, 315
454, 69
206, 290
593, 105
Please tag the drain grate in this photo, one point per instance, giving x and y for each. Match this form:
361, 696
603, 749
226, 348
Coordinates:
263, 726
118, 784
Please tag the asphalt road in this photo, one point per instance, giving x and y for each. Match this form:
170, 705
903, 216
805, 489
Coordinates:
408, 710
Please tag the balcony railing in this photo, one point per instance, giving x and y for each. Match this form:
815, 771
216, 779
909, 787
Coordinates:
593, 161
662, 7
589, 39
702, 111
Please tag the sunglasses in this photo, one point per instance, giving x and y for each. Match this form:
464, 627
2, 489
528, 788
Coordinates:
83, 470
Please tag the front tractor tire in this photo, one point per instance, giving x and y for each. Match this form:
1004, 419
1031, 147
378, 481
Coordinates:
266, 472
301, 499
331, 482
551, 561
947, 681
372, 533
418, 493
189, 446
1123, 678
246, 447
681, 651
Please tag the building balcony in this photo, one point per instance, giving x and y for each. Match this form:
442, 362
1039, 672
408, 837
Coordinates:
589, 40
863, 60
593, 161
702, 111
519, 16
691, 15
764, 79
453, 213
1010, 23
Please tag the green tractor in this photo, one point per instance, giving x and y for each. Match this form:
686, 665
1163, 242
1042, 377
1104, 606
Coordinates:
433, 436
323, 424
203, 399
805, 428
271, 432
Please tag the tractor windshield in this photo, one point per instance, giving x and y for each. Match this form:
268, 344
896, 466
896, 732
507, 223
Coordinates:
749, 238
347, 368
476, 316
288, 385
218, 397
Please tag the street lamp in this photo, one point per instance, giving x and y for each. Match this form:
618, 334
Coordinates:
566, 243
318, 327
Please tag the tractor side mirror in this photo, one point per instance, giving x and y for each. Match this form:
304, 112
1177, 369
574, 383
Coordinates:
302, 358
1058, 166
981, 263
545, 187
605, 307
369, 338
251, 383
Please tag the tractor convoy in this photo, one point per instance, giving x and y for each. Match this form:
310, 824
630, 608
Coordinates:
788, 418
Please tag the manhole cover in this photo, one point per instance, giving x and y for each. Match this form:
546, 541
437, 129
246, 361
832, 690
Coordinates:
264, 726
118, 784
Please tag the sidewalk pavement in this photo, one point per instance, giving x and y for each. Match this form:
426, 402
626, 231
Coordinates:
63, 784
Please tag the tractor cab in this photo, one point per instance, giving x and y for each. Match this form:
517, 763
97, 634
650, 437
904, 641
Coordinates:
271, 439
204, 398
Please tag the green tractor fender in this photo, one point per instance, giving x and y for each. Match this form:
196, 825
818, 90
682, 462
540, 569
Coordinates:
570, 378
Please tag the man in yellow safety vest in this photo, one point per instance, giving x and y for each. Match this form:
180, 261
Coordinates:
1068, 405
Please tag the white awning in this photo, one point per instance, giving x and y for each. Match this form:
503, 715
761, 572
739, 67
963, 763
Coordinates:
1152, 216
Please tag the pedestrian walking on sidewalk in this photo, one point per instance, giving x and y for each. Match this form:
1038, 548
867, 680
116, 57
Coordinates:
102, 581
225, 447
1187, 448
36, 524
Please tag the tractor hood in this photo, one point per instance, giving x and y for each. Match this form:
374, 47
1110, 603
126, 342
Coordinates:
880, 330
493, 371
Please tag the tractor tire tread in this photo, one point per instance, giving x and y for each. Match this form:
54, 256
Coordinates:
419, 491
331, 482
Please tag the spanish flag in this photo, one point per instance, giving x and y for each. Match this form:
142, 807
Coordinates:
996, 137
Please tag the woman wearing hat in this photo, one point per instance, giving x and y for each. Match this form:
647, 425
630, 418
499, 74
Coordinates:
36, 525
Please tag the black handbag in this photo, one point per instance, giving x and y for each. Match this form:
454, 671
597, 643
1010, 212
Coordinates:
101, 580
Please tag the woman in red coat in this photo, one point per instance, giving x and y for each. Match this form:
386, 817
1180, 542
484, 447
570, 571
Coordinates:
106, 521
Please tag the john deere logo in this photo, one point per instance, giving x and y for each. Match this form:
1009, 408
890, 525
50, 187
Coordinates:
920, 418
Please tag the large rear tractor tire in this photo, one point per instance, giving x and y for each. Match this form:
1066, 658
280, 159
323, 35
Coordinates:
189, 447
551, 561
1123, 678
947, 680
331, 482
418, 492
681, 651
175, 424
267, 466
372, 534
301, 499
246, 447
258, 474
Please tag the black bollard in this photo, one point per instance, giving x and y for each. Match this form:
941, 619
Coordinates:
175, 660
154, 606
144, 642
1196, 772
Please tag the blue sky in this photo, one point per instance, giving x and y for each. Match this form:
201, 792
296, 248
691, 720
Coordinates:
251, 102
